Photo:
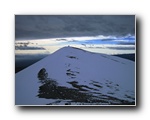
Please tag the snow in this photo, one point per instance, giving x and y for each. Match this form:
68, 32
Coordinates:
98, 74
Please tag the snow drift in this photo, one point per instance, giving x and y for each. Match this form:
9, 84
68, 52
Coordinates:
73, 76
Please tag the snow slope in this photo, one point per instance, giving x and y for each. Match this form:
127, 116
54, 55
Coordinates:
77, 77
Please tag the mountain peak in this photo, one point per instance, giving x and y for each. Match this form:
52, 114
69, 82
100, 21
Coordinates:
75, 76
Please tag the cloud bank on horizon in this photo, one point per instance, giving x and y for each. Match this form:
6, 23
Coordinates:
52, 26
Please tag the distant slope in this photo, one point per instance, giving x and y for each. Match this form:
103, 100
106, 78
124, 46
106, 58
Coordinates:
26, 61
127, 56
74, 76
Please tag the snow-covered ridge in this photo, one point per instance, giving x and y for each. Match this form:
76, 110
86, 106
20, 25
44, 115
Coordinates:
75, 76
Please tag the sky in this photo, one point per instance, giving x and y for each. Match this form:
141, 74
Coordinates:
110, 34
51, 26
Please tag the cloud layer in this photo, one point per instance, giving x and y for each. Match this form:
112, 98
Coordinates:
48, 26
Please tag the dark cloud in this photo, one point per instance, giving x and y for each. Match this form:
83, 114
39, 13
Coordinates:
46, 26
122, 48
126, 43
29, 48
